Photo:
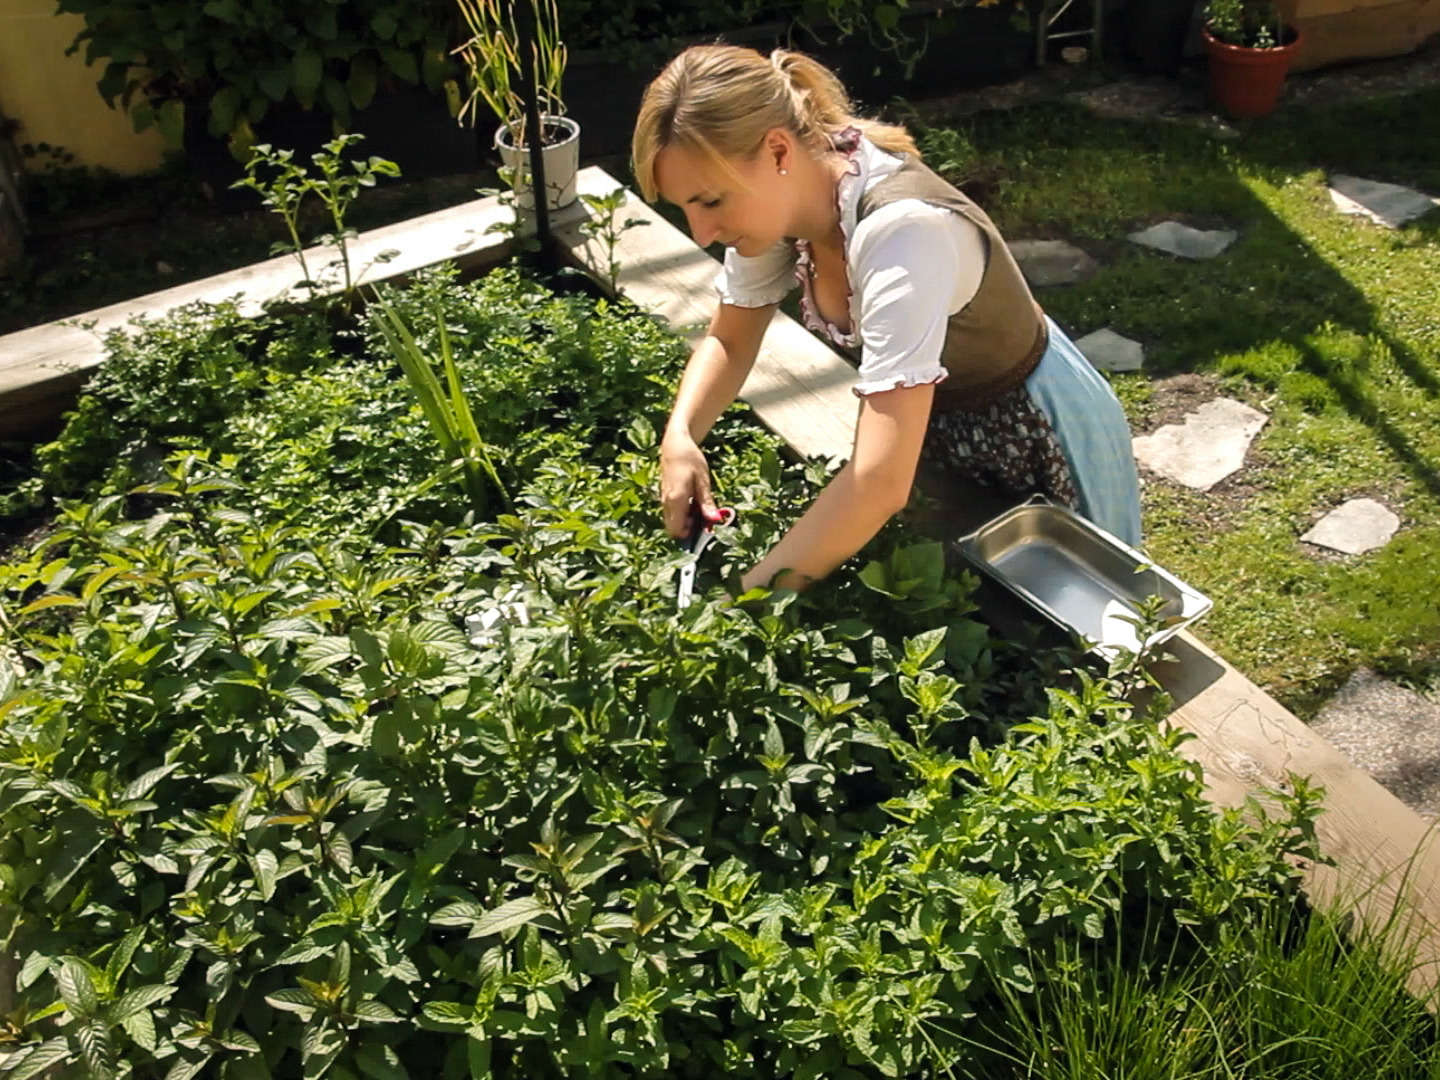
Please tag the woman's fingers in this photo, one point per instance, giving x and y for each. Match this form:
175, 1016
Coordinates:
684, 482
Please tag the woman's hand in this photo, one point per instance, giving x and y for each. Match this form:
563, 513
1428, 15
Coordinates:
684, 482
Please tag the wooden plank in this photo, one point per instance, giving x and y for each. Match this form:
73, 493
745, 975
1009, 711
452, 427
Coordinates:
1385, 856
1246, 742
42, 367
799, 391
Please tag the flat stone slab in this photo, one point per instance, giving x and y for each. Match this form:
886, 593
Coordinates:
1385, 204
1390, 732
1354, 527
1108, 351
1176, 239
1052, 262
1205, 449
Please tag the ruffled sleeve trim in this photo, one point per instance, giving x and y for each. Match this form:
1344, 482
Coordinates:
900, 380
752, 298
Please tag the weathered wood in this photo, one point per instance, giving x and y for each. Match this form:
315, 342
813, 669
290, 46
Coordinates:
42, 367
1245, 743
796, 390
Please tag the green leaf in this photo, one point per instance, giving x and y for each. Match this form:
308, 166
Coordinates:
337, 99
337, 848
447, 1012
38, 1060
320, 1045
364, 77
302, 952
384, 24
306, 71
145, 783
224, 106
264, 866
401, 63
376, 1012
274, 83
460, 913
294, 1000
51, 600
141, 1028
508, 916
189, 1063
76, 987
142, 116
477, 1052
170, 119
138, 1000
96, 1050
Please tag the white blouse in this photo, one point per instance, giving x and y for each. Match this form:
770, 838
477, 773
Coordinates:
911, 266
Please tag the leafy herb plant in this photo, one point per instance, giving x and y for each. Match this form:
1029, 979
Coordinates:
268, 812
284, 186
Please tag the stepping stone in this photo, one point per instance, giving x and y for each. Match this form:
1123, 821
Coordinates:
1208, 447
1390, 732
1052, 262
1109, 351
1182, 240
1356, 527
1385, 204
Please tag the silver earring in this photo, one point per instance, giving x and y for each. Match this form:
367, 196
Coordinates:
784, 172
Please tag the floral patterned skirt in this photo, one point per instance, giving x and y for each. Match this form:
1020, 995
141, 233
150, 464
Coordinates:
1008, 444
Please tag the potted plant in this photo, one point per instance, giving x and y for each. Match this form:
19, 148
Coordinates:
493, 63
1249, 48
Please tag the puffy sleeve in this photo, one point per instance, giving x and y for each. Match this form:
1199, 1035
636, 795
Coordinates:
912, 265
757, 280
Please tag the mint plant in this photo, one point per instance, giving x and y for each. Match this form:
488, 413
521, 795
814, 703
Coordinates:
284, 185
602, 227
265, 810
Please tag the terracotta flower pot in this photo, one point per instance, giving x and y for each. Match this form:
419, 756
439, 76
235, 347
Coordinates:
1246, 82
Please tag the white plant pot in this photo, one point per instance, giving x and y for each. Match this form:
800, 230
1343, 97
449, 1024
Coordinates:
562, 162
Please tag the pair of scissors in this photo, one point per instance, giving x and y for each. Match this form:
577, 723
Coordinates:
701, 533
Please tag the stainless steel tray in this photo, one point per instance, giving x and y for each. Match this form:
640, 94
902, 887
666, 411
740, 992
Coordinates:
1079, 576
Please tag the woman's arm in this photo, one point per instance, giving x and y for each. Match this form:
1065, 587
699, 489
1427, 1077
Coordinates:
872, 487
712, 380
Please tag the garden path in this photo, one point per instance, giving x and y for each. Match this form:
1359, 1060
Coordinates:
1391, 732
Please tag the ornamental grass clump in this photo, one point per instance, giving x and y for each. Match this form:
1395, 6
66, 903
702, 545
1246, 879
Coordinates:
267, 810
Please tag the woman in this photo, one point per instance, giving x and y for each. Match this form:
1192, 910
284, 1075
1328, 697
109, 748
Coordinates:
955, 357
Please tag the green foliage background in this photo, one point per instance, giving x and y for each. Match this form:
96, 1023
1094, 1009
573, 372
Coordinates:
267, 811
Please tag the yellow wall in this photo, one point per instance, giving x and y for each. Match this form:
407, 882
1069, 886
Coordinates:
53, 97
1334, 31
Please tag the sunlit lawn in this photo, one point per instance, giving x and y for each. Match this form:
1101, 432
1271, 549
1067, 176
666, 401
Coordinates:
1328, 323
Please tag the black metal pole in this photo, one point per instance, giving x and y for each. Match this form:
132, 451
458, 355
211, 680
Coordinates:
525, 26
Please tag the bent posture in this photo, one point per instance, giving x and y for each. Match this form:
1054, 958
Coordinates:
898, 269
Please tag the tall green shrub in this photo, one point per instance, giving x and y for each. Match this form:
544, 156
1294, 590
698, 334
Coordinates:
235, 59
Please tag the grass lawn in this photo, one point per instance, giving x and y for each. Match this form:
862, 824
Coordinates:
1328, 323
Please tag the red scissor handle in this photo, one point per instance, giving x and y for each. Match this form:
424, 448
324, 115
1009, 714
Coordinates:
702, 526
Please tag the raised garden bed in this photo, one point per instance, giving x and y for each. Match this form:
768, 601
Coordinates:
254, 764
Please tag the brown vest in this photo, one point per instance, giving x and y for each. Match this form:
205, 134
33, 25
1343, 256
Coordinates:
994, 342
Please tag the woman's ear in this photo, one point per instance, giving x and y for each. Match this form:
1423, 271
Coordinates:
779, 149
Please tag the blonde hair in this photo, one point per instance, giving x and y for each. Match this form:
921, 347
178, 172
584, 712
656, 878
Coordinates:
722, 99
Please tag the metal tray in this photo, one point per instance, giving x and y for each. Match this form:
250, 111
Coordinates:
1079, 576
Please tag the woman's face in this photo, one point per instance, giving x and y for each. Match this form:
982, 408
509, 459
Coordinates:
747, 209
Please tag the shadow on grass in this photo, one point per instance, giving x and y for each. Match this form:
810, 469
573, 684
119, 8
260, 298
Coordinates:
1333, 314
